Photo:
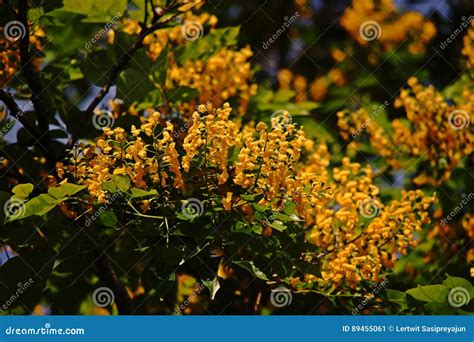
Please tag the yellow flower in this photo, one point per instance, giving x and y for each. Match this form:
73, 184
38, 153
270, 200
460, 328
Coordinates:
227, 201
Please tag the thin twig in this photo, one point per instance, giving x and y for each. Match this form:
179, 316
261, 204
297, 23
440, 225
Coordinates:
117, 68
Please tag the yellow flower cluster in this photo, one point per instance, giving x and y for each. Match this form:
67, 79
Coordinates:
468, 49
317, 89
10, 55
393, 27
216, 134
156, 41
223, 76
468, 226
270, 162
438, 131
121, 153
435, 131
267, 159
354, 250
352, 124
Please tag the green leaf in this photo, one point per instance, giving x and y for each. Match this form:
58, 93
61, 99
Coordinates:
22, 191
134, 85
452, 282
96, 11
278, 226
160, 67
108, 219
65, 190
283, 217
122, 182
36, 206
95, 67
250, 266
397, 297
429, 293
152, 99
290, 208
138, 193
284, 95
183, 94
209, 45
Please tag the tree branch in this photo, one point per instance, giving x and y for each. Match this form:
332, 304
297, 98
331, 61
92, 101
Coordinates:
119, 66
16, 112
34, 83
20, 116
110, 279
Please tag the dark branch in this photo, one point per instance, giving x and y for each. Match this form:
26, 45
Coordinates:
20, 116
33, 80
110, 279
16, 112
118, 67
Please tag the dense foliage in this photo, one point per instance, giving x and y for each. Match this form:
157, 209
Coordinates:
149, 166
